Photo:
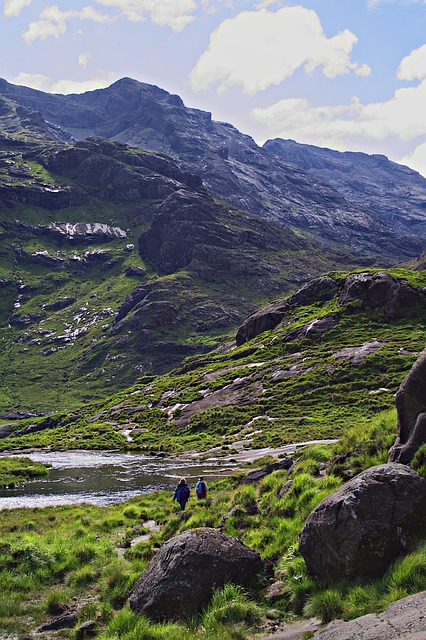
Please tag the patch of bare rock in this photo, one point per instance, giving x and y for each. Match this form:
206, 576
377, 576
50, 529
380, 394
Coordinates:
402, 620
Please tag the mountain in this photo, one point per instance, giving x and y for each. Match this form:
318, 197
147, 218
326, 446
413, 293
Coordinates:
230, 163
395, 193
118, 262
115, 262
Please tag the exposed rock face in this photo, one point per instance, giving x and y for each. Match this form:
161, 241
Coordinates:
374, 291
188, 231
360, 529
229, 162
402, 620
370, 181
317, 290
113, 172
379, 290
410, 403
181, 578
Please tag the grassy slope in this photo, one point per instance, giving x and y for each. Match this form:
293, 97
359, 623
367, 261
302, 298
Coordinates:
322, 396
42, 576
328, 397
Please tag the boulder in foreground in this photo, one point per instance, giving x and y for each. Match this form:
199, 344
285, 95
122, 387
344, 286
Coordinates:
360, 529
181, 578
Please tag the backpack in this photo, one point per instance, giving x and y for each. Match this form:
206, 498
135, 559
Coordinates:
200, 488
184, 496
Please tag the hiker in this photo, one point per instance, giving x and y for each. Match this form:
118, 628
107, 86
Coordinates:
201, 489
182, 493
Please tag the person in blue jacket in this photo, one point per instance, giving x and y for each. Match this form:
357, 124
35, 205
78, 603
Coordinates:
182, 493
201, 489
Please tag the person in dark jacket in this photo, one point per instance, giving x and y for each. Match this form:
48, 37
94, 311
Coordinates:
182, 493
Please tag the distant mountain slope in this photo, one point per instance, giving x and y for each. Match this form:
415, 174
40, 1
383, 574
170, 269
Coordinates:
230, 163
115, 262
395, 193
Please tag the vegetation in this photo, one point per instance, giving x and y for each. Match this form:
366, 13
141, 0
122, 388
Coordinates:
294, 390
82, 559
16, 470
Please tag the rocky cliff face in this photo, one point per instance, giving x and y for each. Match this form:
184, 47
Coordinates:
229, 163
392, 192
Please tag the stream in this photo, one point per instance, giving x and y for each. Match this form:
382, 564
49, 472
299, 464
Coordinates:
101, 478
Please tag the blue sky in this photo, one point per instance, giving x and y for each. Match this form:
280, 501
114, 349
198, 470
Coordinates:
343, 74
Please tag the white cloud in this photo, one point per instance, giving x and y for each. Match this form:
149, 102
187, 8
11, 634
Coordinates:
14, 7
83, 59
257, 49
45, 83
53, 22
349, 126
33, 80
175, 14
413, 66
417, 159
73, 86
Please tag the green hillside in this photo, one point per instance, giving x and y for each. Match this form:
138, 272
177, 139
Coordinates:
282, 386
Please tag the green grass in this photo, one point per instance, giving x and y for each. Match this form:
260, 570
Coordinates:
16, 470
61, 556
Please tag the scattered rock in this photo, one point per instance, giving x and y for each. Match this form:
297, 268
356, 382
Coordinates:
258, 474
364, 526
61, 622
274, 591
86, 629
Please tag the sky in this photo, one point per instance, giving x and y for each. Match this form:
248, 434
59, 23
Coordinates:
344, 74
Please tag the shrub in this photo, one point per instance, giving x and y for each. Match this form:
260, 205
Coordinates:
326, 605
230, 606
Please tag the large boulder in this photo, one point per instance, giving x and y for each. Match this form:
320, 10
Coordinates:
360, 529
410, 403
181, 578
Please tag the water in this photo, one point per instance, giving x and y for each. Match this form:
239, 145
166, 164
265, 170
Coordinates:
78, 477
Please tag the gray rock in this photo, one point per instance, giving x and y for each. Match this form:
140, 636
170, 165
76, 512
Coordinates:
402, 620
411, 408
380, 290
258, 474
182, 577
5, 430
364, 526
66, 621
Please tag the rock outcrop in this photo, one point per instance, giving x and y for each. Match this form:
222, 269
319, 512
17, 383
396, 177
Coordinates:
372, 290
259, 474
182, 577
360, 529
410, 403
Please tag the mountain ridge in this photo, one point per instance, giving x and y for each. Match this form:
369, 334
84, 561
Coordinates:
230, 163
